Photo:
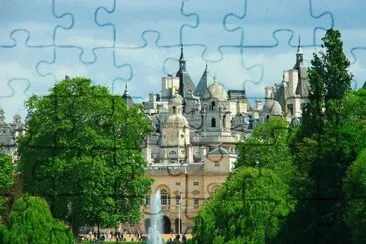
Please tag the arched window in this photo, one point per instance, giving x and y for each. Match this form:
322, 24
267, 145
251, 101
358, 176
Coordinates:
174, 110
213, 104
164, 197
213, 122
223, 121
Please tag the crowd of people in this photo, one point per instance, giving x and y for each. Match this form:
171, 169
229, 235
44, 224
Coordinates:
110, 236
92, 235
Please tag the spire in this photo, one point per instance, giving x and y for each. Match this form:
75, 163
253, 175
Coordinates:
182, 61
299, 49
205, 81
126, 91
181, 53
126, 96
299, 56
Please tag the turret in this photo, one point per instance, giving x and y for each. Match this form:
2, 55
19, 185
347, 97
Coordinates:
299, 56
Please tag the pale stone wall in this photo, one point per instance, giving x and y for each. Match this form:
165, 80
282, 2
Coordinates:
194, 182
190, 187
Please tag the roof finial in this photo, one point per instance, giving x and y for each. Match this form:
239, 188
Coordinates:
126, 91
299, 49
181, 52
206, 66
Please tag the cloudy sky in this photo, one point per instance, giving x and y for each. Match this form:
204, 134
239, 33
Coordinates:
246, 43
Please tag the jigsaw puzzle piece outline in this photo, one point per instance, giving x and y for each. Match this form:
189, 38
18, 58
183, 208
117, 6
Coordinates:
25, 78
103, 16
84, 68
357, 82
52, 28
226, 32
244, 16
77, 42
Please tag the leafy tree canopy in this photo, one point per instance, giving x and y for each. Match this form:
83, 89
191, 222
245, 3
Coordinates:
83, 154
6, 179
31, 222
249, 208
268, 146
355, 190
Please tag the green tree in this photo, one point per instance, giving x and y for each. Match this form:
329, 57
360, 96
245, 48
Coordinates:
269, 146
6, 179
355, 190
82, 153
329, 81
329, 140
248, 208
322, 161
31, 222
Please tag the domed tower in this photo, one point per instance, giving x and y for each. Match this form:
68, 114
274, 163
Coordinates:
216, 115
271, 108
175, 140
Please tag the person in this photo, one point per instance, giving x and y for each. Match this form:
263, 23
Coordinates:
184, 238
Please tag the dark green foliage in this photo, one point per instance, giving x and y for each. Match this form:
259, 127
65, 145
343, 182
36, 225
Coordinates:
31, 222
355, 190
249, 208
268, 146
329, 140
329, 81
6, 179
83, 154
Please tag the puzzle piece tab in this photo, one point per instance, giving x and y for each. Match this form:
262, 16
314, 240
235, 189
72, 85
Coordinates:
210, 26
357, 66
25, 15
259, 24
19, 77
129, 25
64, 63
85, 34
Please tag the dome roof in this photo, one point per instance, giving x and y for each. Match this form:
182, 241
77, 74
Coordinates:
215, 90
176, 121
177, 100
272, 107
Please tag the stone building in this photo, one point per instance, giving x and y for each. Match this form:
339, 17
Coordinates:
192, 148
195, 129
287, 97
9, 133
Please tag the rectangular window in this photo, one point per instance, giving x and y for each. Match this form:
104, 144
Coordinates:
195, 183
177, 183
196, 201
147, 200
217, 164
177, 199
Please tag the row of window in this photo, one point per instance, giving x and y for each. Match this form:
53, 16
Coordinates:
165, 200
195, 183
213, 122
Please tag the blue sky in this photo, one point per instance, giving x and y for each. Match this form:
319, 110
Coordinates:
245, 43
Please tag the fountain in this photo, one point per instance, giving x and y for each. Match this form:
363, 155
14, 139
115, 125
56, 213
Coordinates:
156, 220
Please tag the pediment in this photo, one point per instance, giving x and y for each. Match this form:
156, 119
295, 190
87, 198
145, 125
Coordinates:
195, 192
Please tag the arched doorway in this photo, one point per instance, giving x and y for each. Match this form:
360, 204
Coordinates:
177, 220
166, 225
147, 225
